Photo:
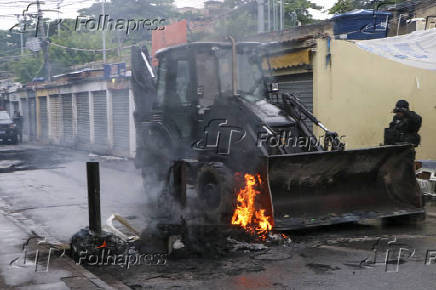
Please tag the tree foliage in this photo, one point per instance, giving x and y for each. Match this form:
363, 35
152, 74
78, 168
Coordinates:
342, 6
301, 9
27, 67
134, 9
241, 18
62, 59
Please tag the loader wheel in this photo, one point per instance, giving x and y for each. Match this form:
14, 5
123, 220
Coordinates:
215, 191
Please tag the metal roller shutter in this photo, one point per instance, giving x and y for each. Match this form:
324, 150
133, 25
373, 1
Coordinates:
26, 118
32, 118
83, 119
67, 119
56, 118
302, 87
100, 121
16, 106
43, 119
120, 115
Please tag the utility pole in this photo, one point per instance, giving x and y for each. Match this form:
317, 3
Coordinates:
269, 15
59, 22
44, 41
260, 16
275, 18
21, 34
119, 43
273, 15
103, 32
282, 14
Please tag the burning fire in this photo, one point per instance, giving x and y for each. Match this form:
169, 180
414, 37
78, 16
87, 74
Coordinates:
245, 214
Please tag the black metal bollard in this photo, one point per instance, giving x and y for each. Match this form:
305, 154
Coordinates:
93, 176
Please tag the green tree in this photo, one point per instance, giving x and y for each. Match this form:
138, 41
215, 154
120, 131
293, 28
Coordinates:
27, 67
300, 8
237, 24
134, 9
240, 20
61, 59
342, 6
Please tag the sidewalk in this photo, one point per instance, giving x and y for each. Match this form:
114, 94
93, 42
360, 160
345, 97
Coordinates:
18, 272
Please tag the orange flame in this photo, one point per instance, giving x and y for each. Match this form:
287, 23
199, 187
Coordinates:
245, 213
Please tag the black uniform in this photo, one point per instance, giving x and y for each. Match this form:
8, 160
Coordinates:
18, 120
405, 129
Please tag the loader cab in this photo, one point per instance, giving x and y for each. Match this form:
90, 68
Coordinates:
196, 78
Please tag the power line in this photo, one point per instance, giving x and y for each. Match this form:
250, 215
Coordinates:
90, 49
13, 56
76, 2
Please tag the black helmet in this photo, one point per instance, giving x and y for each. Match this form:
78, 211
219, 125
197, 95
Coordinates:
402, 104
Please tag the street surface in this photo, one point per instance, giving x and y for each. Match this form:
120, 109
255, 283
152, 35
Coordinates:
45, 187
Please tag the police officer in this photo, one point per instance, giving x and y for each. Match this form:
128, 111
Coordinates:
404, 127
18, 120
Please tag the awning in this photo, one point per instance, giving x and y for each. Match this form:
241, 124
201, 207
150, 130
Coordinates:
286, 60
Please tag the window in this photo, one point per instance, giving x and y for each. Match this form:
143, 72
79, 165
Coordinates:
183, 80
250, 80
161, 83
225, 71
207, 81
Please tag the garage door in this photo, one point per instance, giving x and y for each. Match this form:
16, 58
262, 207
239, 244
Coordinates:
301, 86
100, 121
32, 119
83, 119
56, 118
120, 115
43, 119
67, 119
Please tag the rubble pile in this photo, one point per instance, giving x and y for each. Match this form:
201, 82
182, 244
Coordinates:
202, 241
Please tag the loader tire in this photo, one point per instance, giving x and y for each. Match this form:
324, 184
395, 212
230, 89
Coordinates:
215, 192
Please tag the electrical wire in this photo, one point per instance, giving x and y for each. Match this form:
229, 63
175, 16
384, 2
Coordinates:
13, 56
92, 49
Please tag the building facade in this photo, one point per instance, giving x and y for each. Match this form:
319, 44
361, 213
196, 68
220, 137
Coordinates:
82, 110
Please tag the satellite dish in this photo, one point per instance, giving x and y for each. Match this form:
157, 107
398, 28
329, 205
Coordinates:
33, 44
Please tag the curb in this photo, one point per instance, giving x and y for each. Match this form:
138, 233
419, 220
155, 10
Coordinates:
30, 228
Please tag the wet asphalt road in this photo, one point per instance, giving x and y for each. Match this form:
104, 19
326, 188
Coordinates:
48, 186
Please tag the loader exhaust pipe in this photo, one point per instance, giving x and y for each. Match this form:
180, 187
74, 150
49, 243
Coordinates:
234, 67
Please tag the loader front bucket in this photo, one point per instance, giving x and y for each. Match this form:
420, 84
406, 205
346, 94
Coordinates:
323, 188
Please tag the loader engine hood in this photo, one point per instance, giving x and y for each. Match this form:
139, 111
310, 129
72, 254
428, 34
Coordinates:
269, 114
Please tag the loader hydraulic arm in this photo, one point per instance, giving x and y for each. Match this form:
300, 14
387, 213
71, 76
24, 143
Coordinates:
293, 106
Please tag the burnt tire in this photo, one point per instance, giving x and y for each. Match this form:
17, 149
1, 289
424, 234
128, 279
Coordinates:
215, 192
